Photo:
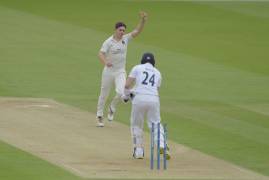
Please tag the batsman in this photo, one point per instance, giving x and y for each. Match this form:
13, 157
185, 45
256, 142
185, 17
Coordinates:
145, 103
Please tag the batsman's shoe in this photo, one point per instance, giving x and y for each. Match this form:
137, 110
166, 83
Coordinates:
100, 121
138, 153
110, 115
167, 153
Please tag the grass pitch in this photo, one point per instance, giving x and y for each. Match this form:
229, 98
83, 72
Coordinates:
213, 57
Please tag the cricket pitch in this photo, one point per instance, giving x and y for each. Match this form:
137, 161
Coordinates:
68, 137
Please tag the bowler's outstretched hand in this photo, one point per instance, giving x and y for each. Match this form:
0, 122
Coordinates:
143, 15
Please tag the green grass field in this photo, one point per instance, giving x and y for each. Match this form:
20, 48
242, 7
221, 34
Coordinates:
18, 165
213, 57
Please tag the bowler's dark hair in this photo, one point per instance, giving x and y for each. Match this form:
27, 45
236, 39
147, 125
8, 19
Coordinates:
120, 24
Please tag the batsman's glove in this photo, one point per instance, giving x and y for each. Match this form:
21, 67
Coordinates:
128, 95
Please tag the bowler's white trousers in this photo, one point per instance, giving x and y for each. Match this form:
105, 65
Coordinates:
110, 78
149, 106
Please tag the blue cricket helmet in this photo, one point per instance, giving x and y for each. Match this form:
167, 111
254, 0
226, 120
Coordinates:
148, 58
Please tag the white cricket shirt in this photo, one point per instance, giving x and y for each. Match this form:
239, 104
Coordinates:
115, 52
148, 79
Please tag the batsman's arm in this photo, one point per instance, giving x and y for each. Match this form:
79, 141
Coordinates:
103, 60
140, 26
129, 82
127, 92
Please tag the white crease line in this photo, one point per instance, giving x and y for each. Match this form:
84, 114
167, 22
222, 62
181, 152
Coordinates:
38, 105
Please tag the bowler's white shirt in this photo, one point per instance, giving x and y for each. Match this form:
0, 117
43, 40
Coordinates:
148, 79
115, 52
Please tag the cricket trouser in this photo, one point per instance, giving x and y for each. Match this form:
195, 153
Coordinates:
110, 78
141, 107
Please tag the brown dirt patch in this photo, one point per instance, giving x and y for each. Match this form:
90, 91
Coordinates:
68, 137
